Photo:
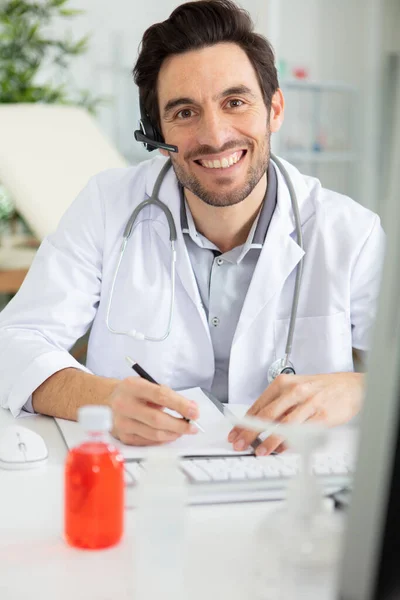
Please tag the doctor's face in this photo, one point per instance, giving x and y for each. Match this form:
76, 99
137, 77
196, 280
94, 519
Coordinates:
211, 107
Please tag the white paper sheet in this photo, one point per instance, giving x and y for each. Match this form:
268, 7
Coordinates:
212, 442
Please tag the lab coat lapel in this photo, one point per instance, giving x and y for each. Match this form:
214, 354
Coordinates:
279, 256
280, 253
169, 195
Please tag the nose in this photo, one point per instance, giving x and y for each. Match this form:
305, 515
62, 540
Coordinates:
214, 129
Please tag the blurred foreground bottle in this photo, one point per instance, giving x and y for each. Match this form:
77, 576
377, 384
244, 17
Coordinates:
159, 551
94, 484
298, 548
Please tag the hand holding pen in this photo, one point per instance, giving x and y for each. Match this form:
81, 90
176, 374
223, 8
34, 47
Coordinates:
142, 373
139, 418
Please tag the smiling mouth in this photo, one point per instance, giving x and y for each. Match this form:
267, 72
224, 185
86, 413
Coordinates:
224, 163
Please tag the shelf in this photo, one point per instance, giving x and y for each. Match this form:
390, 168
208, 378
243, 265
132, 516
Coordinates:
317, 86
318, 157
11, 280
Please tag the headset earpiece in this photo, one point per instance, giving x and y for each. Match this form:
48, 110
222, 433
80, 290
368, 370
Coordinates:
148, 135
147, 128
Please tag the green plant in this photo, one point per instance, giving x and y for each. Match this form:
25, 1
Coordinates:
25, 49
6, 207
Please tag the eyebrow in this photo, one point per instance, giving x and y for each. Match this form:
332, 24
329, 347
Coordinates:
235, 90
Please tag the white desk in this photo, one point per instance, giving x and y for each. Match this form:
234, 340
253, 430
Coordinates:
36, 563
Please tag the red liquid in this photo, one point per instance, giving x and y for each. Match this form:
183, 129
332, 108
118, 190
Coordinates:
94, 496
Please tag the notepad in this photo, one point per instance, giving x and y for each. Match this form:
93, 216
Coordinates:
210, 443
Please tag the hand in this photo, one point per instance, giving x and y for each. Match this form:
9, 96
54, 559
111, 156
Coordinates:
333, 399
138, 416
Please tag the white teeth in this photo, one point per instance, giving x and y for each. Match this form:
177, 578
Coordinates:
222, 164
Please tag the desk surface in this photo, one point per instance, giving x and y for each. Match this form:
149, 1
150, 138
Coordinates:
35, 562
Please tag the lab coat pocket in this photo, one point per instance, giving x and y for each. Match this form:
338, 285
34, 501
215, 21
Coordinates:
320, 344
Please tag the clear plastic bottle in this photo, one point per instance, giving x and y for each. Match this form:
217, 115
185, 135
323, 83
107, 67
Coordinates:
159, 551
298, 547
94, 485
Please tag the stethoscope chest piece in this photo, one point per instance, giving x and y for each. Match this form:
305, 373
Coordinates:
280, 367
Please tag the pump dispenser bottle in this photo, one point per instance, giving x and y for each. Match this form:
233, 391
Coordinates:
159, 549
298, 547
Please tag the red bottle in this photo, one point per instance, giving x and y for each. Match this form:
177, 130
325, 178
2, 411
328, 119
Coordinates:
94, 485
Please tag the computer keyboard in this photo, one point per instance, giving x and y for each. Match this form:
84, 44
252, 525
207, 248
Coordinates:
249, 478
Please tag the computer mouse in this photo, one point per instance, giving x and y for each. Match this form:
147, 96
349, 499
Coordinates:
21, 448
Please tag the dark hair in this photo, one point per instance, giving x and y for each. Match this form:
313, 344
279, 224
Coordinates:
196, 25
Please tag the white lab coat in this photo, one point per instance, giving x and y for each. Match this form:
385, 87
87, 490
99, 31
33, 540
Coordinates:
68, 287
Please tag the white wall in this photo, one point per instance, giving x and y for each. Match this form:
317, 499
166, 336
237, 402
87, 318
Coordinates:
333, 39
350, 42
391, 39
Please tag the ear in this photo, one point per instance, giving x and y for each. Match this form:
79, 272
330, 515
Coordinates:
276, 115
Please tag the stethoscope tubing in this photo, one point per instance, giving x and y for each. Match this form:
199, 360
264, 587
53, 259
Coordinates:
173, 237
299, 269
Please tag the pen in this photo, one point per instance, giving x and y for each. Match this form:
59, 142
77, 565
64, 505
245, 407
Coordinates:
142, 373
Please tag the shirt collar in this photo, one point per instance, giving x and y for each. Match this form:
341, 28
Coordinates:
258, 231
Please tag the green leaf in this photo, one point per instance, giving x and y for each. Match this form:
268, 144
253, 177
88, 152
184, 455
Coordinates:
71, 12
25, 48
56, 3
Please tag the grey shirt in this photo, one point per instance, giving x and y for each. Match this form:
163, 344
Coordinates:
224, 278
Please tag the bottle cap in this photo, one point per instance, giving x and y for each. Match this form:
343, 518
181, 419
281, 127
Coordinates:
95, 418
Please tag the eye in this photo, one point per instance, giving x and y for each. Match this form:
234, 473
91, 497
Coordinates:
235, 103
185, 113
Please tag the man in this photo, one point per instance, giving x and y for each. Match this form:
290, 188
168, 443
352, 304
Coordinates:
208, 86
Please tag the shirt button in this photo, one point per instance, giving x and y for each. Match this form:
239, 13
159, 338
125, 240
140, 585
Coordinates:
220, 261
215, 321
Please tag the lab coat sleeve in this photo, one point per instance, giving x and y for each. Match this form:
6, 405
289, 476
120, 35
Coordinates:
365, 285
56, 303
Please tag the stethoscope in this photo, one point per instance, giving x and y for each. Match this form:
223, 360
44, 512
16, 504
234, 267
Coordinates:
278, 367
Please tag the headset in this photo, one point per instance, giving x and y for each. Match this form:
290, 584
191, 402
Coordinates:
149, 135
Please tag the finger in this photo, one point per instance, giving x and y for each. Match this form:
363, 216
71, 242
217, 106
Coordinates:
276, 389
131, 438
157, 419
271, 444
316, 417
136, 392
160, 420
296, 394
279, 397
303, 412
281, 448
300, 414
161, 395
274, 412
135, 440
234, 434
152, 405
129, 429
278, 409
240, 432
